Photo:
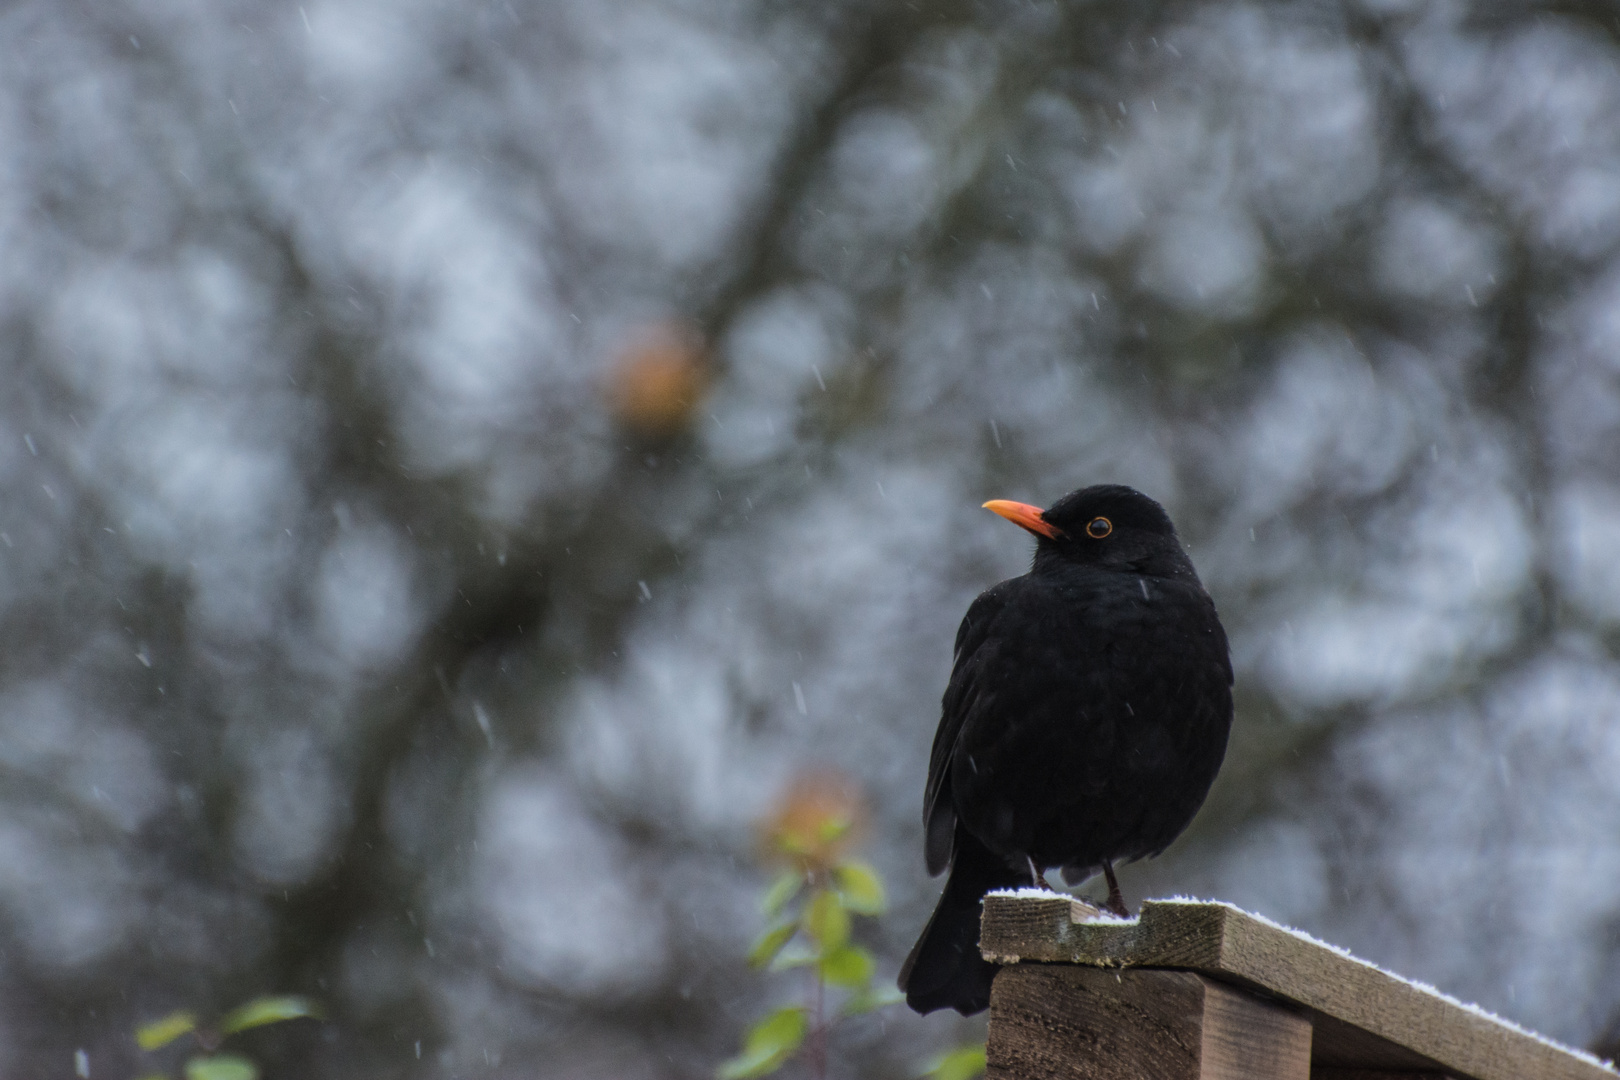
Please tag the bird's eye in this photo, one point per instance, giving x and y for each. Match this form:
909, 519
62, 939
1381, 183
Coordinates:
1097, 528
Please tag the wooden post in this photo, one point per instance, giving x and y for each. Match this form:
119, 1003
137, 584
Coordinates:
1205, 991
1063, 1020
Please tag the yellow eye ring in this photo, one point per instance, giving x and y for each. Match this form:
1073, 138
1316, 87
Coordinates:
1097, 528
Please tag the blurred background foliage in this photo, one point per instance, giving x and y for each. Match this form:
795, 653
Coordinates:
461, 459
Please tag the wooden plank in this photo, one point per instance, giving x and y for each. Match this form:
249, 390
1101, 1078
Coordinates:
1337, 1044
1366, 1018
1064, 1020
1247, 1038
1049, 1021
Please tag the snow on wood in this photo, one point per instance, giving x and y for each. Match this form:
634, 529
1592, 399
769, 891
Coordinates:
1362, 1016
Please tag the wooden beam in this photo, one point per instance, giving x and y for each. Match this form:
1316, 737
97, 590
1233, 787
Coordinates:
1364, 1018
1062, 1020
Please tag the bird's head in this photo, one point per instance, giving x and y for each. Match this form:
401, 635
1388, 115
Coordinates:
1107, 525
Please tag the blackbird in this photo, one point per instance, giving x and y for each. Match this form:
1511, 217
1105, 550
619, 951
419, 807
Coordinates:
1085, 719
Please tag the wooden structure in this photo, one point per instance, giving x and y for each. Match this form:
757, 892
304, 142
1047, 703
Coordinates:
1205, 991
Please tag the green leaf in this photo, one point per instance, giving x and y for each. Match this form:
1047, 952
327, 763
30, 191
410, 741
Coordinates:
795, 954
963, 1063
221, 1067
868, 999
767, 1045
770, 943
267, 1010
860, 887
849, 966
165, 1031
783, 889
832, 829
826, 920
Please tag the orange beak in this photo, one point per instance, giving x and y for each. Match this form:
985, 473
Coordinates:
1024, 516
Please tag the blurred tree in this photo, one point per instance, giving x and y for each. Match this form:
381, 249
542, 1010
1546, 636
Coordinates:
390, 614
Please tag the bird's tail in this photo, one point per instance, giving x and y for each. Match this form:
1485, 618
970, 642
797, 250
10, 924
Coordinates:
945, 969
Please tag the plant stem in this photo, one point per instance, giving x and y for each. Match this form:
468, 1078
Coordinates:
818, 1030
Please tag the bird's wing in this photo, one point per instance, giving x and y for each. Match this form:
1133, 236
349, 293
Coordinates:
939, 812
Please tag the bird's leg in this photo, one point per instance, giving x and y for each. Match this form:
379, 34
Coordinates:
1035, 878
1116, 899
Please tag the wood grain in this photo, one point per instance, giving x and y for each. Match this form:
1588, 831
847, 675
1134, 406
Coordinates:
1364, 1018
1050, 1021
1246, 1038
1062, 1020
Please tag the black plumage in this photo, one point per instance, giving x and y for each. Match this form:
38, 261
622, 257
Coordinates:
1086, 717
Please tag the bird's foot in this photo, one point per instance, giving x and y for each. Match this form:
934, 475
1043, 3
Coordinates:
1036, 878
1115, 904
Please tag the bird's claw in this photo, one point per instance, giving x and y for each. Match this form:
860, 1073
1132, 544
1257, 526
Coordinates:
1115, 904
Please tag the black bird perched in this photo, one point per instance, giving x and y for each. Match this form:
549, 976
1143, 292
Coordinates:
1085, 719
